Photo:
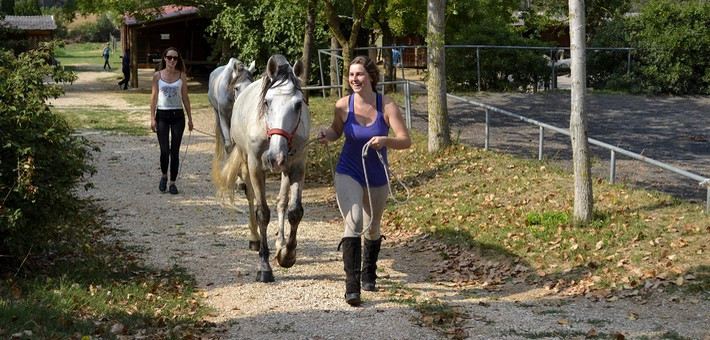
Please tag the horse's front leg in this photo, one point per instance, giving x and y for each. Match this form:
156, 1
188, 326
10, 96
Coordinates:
263, 215
286, 257
254, 237
281, 204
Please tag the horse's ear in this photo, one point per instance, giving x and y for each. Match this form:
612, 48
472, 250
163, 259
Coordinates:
272, 68
299, 69
252, 67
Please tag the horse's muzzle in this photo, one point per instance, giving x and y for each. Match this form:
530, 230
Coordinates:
276, 162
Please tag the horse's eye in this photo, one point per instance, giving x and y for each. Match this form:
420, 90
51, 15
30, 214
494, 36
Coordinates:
298, 107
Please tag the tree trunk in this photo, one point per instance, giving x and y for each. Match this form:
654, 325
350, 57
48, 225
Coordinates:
334, 66
308, 43
436, 61
390, 71
583, 200
348, 43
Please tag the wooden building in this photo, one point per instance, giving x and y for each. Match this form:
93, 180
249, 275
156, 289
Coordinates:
33, 29
177, 26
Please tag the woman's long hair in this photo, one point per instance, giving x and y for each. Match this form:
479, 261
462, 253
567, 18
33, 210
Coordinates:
180, 66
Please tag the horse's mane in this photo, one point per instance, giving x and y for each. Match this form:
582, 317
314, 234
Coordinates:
284, 74
242, 73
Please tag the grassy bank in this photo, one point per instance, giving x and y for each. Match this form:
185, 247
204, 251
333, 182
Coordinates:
89, 287
502, 219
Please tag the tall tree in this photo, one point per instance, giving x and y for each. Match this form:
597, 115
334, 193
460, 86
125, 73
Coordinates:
583, 200
359, 10
308, 41
439, 136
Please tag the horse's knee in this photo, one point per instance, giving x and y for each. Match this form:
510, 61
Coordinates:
295, 214
263, 215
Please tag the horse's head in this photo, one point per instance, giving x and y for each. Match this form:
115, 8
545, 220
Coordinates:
282, 105
240, 76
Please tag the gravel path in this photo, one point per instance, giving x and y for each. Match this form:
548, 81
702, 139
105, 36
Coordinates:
193, 231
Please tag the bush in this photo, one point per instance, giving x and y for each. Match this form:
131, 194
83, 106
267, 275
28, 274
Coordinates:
501, 69
41, 160
675, 38
608, 68
672, 39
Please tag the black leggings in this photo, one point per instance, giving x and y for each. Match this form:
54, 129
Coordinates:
170, 122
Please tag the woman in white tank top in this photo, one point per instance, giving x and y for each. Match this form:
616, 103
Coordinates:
168, 97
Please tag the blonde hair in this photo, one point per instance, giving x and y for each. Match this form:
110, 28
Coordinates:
372, 70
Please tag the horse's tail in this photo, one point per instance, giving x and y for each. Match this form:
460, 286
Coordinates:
225, 177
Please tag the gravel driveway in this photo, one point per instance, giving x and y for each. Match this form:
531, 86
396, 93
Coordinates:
193, 231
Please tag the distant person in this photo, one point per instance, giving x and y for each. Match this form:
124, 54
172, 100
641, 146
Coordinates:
106, 54
395, 57
126, 69
168, 96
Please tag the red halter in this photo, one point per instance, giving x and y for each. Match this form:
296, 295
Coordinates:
281, 132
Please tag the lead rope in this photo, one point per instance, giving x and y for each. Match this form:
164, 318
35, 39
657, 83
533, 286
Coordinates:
184, 155
367, 185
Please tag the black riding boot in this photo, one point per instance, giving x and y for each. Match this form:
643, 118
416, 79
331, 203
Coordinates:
352, 255
369, 264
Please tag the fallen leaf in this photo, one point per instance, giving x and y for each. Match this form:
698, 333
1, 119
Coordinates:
562, 321
599, 245
633, 316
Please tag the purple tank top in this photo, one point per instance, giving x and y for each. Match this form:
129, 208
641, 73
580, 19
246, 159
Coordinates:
356, 135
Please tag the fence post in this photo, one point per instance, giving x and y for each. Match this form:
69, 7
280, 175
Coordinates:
478, 68
320, 67
539, 147
401, 61
488, 129
407, 105
552, 74
628, 63
340, 79
612, 167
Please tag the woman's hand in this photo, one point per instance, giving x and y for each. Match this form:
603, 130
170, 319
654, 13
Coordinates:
189, 124
378, 142
154, 125
322, 136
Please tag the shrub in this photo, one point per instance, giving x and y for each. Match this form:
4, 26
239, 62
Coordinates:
501, 69
672, 39
41, 160
675, 38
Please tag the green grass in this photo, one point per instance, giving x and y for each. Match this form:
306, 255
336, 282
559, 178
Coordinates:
114, 121
83, 54
88, 286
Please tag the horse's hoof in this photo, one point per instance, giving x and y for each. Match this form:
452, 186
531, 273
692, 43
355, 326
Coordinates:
254, 245
285, 258
242, 187
264, 276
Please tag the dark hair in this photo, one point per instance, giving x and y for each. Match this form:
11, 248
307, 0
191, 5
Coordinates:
180, 66
370, 67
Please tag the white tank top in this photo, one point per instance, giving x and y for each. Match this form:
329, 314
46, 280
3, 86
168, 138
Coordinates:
170, 94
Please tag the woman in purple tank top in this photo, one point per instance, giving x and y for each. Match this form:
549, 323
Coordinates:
363, 117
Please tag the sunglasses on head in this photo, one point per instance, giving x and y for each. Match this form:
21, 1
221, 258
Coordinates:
169, 57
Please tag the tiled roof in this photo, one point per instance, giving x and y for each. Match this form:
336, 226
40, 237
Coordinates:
167, 12
34, 22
